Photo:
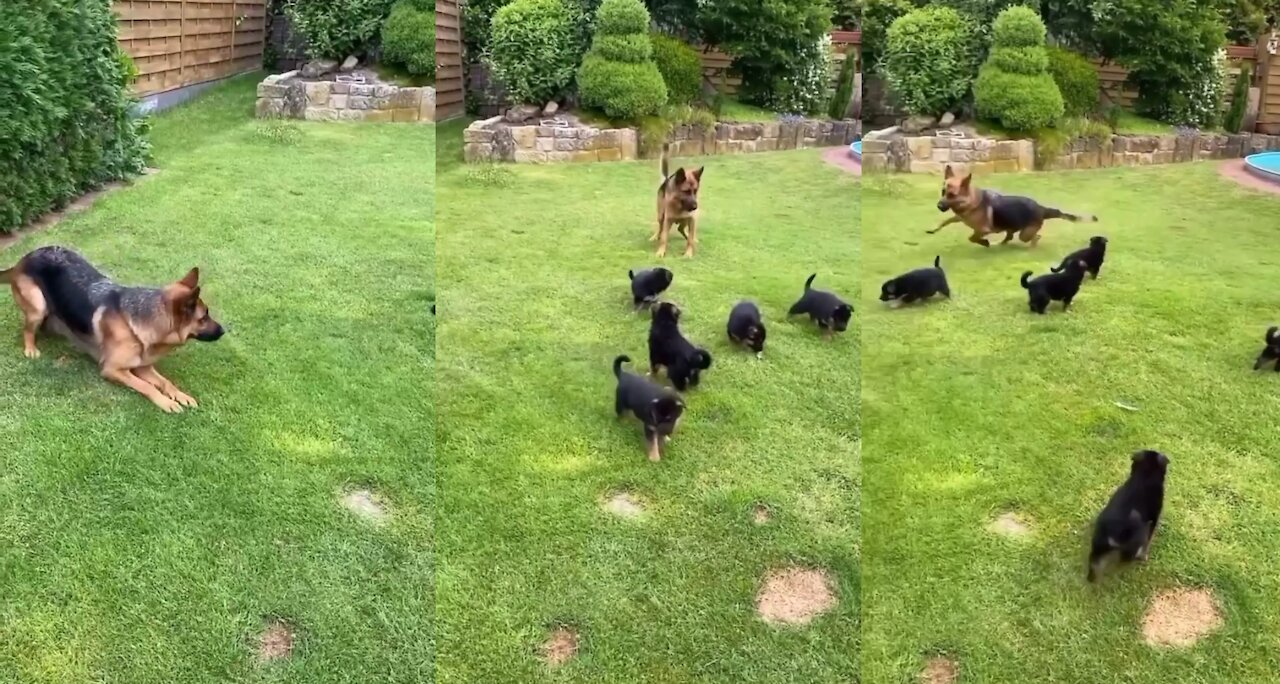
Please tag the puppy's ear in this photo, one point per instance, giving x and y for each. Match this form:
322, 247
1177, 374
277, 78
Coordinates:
1271, 334
191, 279
947, 173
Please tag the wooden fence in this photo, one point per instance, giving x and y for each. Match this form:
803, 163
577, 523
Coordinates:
450, 88
715, 64
176, 43
1112, 76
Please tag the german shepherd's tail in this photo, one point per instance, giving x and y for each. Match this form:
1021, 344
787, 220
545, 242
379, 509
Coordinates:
666, 167
808, 284
617, 365
1025, 278
1051, 213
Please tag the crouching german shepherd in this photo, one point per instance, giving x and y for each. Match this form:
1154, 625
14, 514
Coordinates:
126, 329
985, 212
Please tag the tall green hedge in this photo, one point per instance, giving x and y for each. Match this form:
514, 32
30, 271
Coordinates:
65, 126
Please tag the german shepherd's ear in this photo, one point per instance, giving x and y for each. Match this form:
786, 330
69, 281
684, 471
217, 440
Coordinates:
948, 172
192, 300
964, 184
679, 175
697, 175
191, 279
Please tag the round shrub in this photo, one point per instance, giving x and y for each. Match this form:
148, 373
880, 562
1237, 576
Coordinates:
1018, 27
409, 38
1014, 87
1077, 81
680, 66
622, 83
334, 29
531, 49
926, 59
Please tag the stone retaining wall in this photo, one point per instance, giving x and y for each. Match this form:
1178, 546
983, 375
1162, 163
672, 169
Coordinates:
929, 154
487, 141
282, 95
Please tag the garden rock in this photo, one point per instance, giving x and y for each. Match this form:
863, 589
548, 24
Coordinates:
550, 109
349, 64
916, 124
946, 120
318, 67
522, 113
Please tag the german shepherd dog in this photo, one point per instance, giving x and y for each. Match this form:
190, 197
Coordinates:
678, 206
125, 329
986, 212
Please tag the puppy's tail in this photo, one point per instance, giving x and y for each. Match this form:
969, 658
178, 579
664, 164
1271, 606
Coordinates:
631, 275
1057, 269
1271, 332
937, 262
666, 151
1025, 278
808, 284
1051, 213
617, 365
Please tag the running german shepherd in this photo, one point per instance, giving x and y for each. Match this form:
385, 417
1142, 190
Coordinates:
125, 329
986, 212
677, 205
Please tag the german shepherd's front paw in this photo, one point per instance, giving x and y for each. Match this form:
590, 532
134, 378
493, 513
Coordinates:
31, 353
167, 405
662, 252
182, 398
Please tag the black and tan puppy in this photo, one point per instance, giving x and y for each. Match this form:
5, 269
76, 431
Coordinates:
1054, 287
668, 349
917, 285
1271, 352
656, 406
1128, 522
746, 327
648, 284
986, 212
678, 205
125, 329
1092, 256
830, 312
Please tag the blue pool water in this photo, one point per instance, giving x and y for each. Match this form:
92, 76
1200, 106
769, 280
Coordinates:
856, 148
1265, 165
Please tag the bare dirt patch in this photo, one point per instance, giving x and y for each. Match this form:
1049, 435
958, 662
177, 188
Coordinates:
761, 515
624, 505
560, 647
1180, 617
794, 596
939, 670
276, 641
1010, 525
365, 504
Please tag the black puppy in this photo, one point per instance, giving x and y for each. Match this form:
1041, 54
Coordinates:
648, 284
921, 283
824, 308
1271, 352
656, 406
1054, 287
669, 349
746, 327
1128, 522
1092, 256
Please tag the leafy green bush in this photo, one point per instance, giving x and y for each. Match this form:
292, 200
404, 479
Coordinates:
66, 126
773, 44
532, 50
680, 66
928, 59
1077, 81
844, 89
621, 88
334, 29
634, 47
1023, 97
1191, 96
409, 38
1239, 101
806, 89
877, 17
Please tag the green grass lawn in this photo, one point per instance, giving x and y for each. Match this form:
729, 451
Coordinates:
732, 109
976, 407
534, 306
142, 547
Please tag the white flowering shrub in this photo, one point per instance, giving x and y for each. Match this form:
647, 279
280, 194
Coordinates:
808, 88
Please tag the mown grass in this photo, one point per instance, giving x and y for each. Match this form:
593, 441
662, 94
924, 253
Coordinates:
534, 306
975, 407
142, 547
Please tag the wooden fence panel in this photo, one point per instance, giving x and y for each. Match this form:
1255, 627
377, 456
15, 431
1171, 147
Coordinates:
715, 64
177, 43
1112, 77
450, 87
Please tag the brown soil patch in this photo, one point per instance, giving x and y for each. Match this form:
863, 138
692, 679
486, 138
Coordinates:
1235, 170
1180, 617
560, 647
939, 670
761, 515
365, 504
624, 505
794, 596
1009, 525
275, 642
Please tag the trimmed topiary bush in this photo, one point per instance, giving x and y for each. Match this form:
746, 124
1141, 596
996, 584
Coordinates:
623, 83
927, 59
1014, 87
409, 38
1077, 81
334, 29
66, 127
532, 49
680, 66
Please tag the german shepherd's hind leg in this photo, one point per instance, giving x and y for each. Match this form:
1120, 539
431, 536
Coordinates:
1008, 237
151, 376
34, 309
1031, 234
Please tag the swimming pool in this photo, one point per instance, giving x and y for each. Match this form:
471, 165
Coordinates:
1264, 165
856, 148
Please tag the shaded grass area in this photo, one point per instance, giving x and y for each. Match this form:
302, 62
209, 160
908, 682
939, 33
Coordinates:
976, 407
535, 306
137, 546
